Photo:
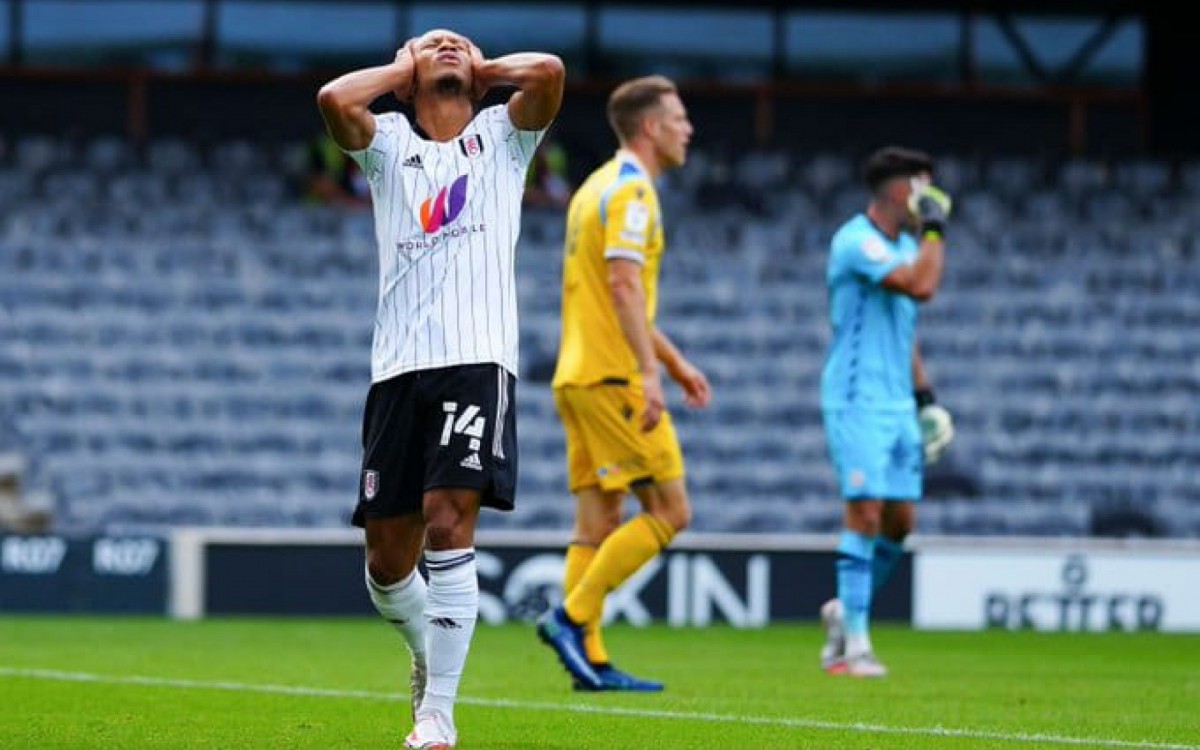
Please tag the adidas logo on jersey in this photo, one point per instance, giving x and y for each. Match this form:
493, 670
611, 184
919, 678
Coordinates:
471, 462
412, 161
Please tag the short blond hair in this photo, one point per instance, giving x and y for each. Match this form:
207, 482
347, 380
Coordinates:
631, 101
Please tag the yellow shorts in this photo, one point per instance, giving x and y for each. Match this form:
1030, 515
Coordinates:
605, 443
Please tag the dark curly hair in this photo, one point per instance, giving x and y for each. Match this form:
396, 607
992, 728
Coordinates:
894, 161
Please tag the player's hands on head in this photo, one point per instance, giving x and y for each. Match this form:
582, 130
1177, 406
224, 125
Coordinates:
407, 55
930, 205
479, 82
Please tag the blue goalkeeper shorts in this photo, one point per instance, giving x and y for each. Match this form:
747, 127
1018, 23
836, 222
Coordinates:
877, 454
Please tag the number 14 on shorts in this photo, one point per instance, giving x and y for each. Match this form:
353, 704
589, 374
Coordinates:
469, 423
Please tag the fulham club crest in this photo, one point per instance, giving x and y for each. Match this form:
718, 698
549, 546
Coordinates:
471, 145
370, 484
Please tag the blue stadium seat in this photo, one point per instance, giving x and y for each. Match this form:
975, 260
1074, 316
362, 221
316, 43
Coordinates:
223, 329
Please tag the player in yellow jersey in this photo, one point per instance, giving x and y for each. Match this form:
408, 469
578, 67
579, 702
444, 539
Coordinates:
608, 385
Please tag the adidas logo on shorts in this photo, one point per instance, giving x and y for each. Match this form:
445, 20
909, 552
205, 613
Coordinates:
471, 462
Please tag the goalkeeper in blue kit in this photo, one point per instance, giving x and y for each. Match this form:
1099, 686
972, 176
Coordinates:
882, 424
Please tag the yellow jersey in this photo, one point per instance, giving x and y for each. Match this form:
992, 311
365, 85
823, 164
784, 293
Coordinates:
614, 214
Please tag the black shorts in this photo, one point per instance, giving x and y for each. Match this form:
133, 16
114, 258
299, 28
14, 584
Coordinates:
430, 429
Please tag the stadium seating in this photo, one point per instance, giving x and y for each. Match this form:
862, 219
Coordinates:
184, 340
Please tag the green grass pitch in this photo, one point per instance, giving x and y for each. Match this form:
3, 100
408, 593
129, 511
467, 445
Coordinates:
252, 684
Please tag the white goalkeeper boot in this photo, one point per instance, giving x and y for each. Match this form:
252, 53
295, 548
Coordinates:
834, 651
863, 664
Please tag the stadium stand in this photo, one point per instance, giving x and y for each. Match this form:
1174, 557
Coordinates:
183, 339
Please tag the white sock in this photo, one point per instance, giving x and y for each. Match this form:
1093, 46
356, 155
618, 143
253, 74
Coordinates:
451, 609
403, 605
857, 643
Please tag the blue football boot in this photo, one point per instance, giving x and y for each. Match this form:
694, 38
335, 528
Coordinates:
557, 631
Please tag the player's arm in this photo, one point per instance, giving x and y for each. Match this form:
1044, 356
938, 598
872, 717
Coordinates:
931, 208
919, 376
538, 77
344, 102
696, 390
629, 302
626, 218
921, 279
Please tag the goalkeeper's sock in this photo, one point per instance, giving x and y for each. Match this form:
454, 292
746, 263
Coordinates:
626, 550
855, 553
887, 554
579, 558
403, 605
451, 610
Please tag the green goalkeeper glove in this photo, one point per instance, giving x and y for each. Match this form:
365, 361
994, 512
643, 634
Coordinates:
931, 206
937, 426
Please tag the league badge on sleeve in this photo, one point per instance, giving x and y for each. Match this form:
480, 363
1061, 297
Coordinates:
875, 251
471, 145
637, 219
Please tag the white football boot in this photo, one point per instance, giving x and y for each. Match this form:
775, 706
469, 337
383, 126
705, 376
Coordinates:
834, 651
863, 665
433, 731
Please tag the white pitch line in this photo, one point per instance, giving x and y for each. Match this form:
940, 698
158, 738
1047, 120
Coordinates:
774, 721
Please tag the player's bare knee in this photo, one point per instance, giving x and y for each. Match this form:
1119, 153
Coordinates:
608, 527
678, 516
898, 520
386, 566
674, 511
668, 502
867, 527
594, 530
450, 517
864, 517
450, 530
595, 519
895, 531
392, 547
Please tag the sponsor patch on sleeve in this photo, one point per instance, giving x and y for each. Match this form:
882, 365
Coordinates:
874, 250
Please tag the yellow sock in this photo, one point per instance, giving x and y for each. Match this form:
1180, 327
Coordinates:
621, 555
579, 557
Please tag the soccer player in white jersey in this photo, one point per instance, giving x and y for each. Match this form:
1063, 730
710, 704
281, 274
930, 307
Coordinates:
439, 433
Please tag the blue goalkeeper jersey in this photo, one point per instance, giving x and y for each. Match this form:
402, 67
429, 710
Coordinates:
869, 362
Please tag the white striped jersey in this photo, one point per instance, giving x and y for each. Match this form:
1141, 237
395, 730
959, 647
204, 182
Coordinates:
447, 219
